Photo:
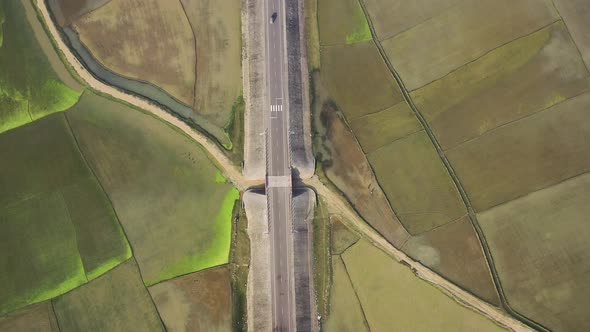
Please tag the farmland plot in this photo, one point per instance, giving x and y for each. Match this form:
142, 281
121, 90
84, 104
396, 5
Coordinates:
199, 301
116, 301
509, 83
391, 295
336, 31
146, 40
540, 247
576, 15
67, 11
465, 32
172, 202
38, 317
527, 155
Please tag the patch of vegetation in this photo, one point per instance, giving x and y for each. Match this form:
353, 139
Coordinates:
29, 88
239, 267
235, 131
341, 237
321, 258
117, 300
342, 22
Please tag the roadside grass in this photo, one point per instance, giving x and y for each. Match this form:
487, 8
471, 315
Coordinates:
239, 268
312, 34
321, 258
541, 252
200, 301
419, 187
391, 295
29, 88
55, 212
544, 149
235, 132
168, 195
117, 300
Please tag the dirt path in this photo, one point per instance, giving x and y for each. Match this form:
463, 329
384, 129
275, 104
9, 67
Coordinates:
336, 205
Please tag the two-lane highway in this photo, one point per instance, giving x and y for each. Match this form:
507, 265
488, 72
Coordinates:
278, 172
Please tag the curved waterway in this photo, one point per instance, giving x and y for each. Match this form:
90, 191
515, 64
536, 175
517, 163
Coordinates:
137, 87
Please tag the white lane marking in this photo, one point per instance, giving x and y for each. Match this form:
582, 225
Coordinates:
276, 108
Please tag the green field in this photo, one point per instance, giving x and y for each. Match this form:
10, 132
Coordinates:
463, 33
199, 301
391, 295
454, 251
167, 194
545, 148
341, 237
418, 187
29, 88
116, 301
509, 83
38, 317
79, 238
357, 78
336, 31
540, 247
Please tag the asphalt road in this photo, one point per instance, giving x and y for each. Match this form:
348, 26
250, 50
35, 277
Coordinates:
279, 172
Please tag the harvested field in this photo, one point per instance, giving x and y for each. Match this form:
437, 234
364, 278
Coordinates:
454, 251
342, 238
391, 17
154, 43
116, 301
540, 247
216, 27
29, 88
67, 11
463, 33
544, 149
38, 317
416, 183
173, 204
377, 129
358, 79
391, 295
200, 301
346, 313
79, 236
347, 167
509, 83
576, 14
342, 22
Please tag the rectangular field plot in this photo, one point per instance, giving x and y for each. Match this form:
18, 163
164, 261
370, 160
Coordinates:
576, 14
541, 251
342, 22
38, 317
358, 79
116, 301
199, 301
526, 155
416, 183
437, 46
172, 202
509, 83
392, 296
391, 17
377, 129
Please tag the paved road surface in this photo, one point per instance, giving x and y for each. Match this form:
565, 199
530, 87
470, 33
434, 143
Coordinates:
279, 172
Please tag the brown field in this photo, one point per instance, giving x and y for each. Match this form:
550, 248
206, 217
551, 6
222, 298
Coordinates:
391, 17
509, 83
358, 79
341, 237
541, 251
437, 46
66, 11
116, 301
216, 26
38, 317
526, 155
454, 251
147, 40
392, 296
576, 14
378, 129
198, 301
342, 22
416, 183
346, 313
347, 167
